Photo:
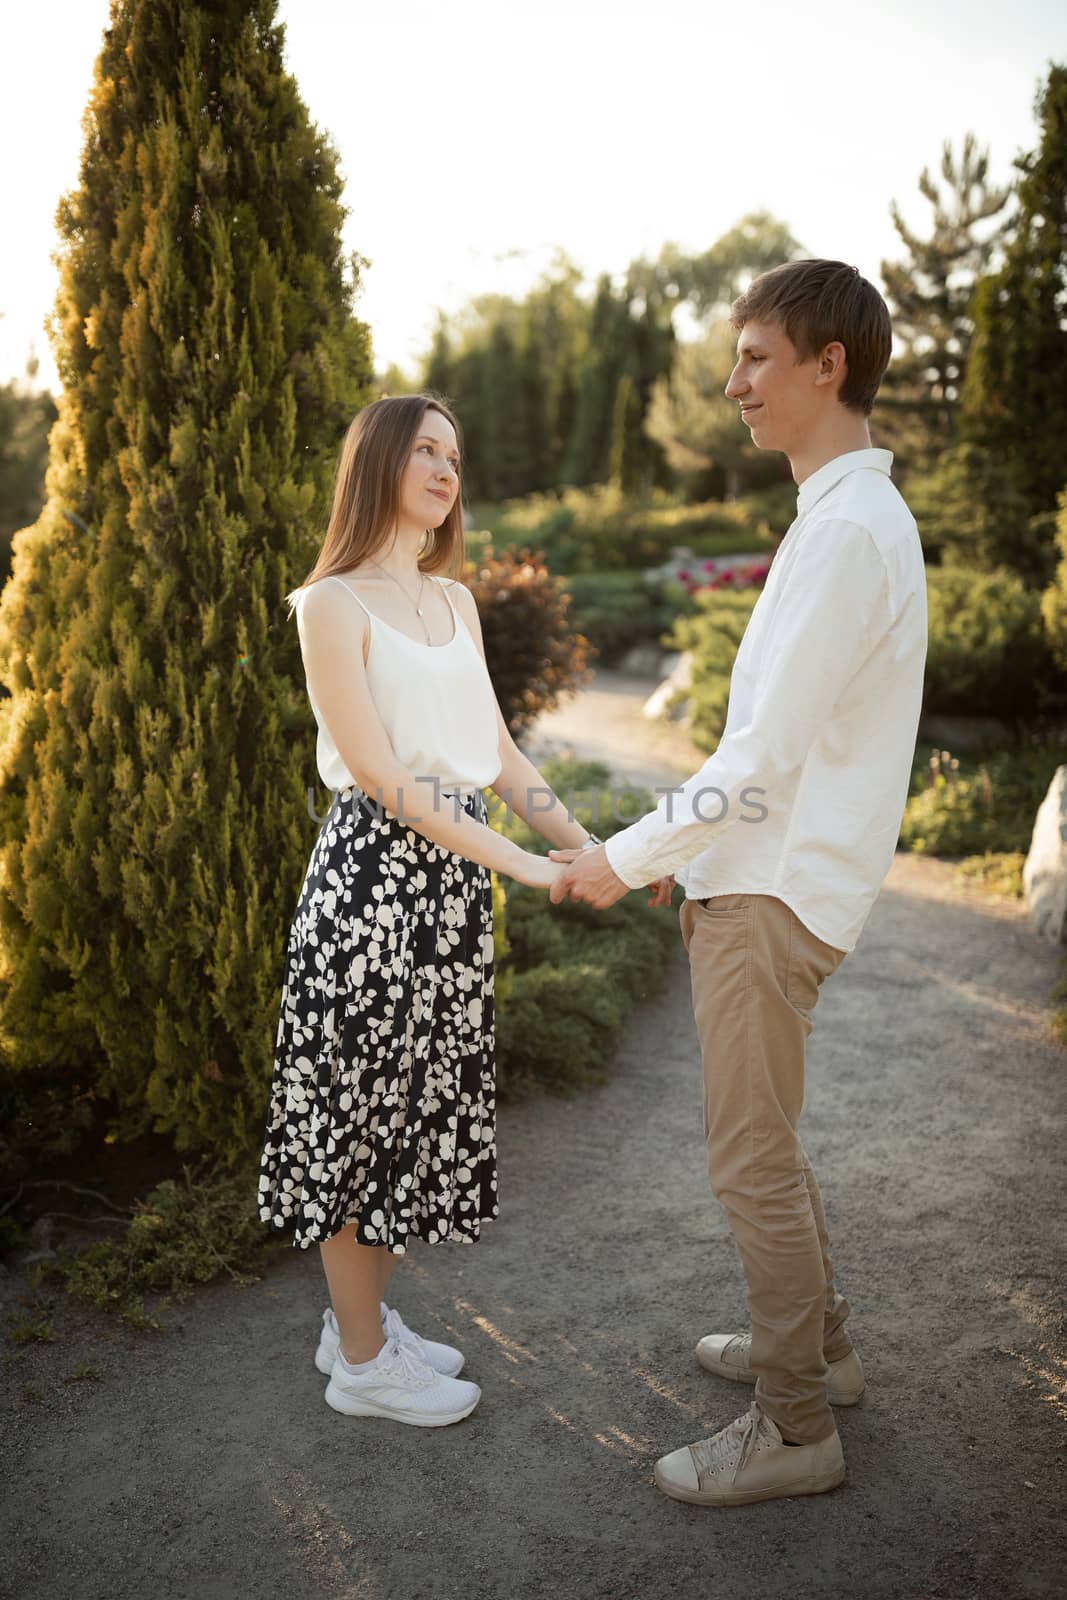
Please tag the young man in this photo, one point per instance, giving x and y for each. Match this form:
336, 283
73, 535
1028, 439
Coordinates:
782, 841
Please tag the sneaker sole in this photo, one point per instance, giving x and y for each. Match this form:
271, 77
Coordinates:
324, 1361
745, 1497
351, 1407
836, 1397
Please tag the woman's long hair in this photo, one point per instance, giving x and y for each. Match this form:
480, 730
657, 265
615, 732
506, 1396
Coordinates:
366, 495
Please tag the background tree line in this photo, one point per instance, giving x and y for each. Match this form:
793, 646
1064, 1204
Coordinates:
568, 387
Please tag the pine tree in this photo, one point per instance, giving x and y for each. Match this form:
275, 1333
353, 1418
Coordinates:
929, 293
1015, 394
157, 750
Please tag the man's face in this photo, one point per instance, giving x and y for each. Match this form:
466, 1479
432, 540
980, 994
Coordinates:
779, 396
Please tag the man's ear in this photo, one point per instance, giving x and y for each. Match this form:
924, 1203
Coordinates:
833, 363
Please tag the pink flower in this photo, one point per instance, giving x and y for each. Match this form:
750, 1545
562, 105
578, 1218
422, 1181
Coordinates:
683, 576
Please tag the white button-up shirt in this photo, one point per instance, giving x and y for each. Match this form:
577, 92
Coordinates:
804, 797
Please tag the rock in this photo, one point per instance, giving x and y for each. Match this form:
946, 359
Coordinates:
679, 676
41, 1233
643, 660
1045, 868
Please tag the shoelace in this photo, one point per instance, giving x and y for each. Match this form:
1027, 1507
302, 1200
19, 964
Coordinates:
396, 1328
709, 1454
742, 1343
401, 1361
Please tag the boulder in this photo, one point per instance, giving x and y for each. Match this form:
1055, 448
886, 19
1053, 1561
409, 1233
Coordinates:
1045, 868
679, 677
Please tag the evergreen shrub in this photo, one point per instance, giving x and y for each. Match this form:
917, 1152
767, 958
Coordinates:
604, 530
712, 634
155, 745
1054, 599
532, 649
988, 651
617, 610
971, 515
574, 974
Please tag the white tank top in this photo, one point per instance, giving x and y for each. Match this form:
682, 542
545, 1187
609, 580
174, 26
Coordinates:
436, 703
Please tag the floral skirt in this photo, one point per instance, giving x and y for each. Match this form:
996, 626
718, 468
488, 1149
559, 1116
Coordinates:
382, 1104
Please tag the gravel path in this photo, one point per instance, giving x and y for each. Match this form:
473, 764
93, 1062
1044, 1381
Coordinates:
205, 1464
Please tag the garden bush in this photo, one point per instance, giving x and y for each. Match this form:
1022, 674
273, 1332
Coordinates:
603, 530
984, 800
617, 610
971, 515
573, 975
713, 636
532, 649
989, 652
1054, 599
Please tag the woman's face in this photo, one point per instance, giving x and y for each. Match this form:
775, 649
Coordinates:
429, 483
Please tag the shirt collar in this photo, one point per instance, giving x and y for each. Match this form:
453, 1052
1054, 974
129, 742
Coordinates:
831, 473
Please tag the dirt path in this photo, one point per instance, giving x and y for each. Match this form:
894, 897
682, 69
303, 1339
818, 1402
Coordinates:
205, 1464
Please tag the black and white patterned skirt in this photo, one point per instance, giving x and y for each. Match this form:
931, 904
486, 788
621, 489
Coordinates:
382, 1106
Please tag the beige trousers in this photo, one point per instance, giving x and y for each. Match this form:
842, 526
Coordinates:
756, 973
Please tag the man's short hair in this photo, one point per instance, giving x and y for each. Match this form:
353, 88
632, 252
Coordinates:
817, 302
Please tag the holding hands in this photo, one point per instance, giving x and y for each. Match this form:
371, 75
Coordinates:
583, 874
587, 876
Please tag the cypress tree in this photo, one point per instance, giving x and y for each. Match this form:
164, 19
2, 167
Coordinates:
1015, 393
587, 458
156, 749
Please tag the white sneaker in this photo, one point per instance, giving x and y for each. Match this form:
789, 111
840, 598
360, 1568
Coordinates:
730, 1356
400, 1385
441, 1357
748, 1461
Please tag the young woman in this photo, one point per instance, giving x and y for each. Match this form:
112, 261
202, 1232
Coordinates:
381, 1125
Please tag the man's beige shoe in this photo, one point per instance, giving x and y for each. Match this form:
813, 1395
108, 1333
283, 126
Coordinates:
729, 1355
747, 1461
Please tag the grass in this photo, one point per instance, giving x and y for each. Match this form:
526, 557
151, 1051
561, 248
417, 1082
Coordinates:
995, 871
186, 1232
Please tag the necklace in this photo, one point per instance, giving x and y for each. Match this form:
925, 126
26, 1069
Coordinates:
416, 603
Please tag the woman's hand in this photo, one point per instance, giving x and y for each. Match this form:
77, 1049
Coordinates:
537, 872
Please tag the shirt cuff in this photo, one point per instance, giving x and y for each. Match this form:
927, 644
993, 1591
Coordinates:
621, 854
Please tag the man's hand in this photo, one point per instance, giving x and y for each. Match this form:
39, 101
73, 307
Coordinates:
587, 877
661, 891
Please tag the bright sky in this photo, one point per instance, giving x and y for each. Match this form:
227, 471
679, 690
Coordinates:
476, 136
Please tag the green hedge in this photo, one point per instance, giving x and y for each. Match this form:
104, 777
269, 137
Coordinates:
617, 610
602, 530
713, 634
572, 976
989, 650
988, 654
